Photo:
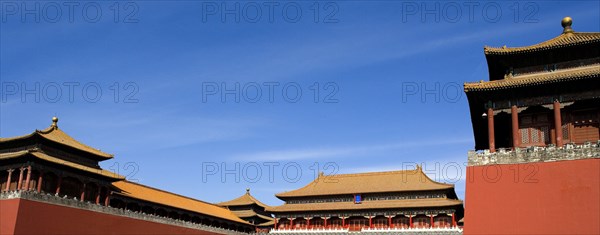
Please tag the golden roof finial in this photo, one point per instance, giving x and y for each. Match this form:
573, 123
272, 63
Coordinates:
566, 24
247, 190
55, 122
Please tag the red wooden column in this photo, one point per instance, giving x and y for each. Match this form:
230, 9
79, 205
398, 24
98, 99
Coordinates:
291, 223
40, 179
98, 195
20, 183
107, 198
28, 178
514, 114
307, 222
491, 138
453, 221
82, 192
370, 221
343, 222
275, 224
390, 222
557, 124
325, 222
410, 223
431, 221
10, 171
59, 184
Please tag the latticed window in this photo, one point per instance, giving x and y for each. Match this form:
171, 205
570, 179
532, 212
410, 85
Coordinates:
401, 222
358, 222
535, 129
317, 222
380, 222
421, 222
539, 135
545, 134
565, 131
443, 221
335, 222
524, 136
535, 135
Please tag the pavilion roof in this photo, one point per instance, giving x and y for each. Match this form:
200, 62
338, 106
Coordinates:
146, 193
566, 39
54, 134
571, 74
375, 204
372, 182
243, 200
43, 156
250, 213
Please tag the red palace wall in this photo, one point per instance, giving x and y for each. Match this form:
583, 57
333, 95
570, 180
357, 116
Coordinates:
19, 216
560, 197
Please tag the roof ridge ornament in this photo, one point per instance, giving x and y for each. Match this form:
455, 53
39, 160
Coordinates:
247, 190
54, 122
566, 24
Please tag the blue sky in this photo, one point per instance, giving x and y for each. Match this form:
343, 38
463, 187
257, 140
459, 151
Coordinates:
388, 76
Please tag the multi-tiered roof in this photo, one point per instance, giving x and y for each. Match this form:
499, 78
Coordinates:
406, 189
56, 147
55, 152
564, 69
250, 209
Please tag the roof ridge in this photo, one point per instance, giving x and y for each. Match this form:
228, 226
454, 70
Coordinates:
577, 38
365, 183
18, 137
419, 169
560, 36
56, 135
247, 196
371, 173
77, 141
47, 130
316, 180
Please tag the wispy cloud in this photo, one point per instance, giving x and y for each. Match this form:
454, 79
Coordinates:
163, 130
262, 59
332, 152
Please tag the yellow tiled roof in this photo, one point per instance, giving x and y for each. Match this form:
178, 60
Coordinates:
243, 200
265, 217
378, 204
244, 213
374, 182
54, 134
158, 196
563, 40
249, 213
46, 157
578, 73
268, 223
